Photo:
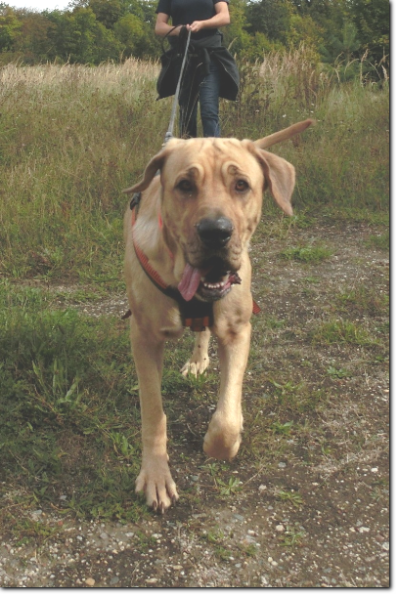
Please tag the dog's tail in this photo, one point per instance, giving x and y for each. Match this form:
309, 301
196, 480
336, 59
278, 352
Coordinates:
284, 134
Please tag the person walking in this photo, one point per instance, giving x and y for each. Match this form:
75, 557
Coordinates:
211, 72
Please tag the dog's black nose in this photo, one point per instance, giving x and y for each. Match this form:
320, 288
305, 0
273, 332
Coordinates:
215, 232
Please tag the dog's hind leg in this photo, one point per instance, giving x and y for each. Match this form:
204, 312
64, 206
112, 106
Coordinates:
199, 360
223, 437
155, 478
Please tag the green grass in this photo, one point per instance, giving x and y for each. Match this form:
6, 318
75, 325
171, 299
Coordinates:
364, 300
380, 241
70, 421
306, 254
341, 331
68, 394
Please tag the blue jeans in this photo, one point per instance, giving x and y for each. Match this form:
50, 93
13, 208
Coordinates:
209, 91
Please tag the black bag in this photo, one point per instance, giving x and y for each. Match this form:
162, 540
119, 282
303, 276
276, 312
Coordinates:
171, 62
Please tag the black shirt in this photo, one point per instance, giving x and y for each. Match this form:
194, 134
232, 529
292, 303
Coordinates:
184, 12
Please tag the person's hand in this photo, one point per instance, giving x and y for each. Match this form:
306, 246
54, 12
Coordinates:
178, 30
183, 34
195, 26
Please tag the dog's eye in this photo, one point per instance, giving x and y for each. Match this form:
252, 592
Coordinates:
241, 185
185, 186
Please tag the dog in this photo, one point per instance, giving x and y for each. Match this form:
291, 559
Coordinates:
187, 233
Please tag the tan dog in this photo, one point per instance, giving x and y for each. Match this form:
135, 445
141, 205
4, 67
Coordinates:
192, 232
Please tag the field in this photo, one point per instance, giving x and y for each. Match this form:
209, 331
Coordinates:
305, 503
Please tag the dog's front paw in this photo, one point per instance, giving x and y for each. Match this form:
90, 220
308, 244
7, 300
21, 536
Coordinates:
222, 440
156, 482
195, 367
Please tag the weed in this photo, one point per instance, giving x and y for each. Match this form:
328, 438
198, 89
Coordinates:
380, 241
293, 536
282, 429
341, 332
338, 373
231, 487
250, 550
292, 497
285, 388
27, 530
364, 300
216, 538
306, 254
122, 446
215, 468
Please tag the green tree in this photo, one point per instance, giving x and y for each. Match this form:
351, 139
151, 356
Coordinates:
34, 42
10, 26
129, 31
74, 35
372, 20
107, 12
271, 18
236, 36
303, 29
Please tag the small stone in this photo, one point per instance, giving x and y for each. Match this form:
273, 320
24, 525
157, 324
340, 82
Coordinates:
90, 581
282, 464
104, 536
279, 528
385, 546
152, 580
114, 581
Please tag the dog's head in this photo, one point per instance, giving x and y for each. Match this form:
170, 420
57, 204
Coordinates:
211, 204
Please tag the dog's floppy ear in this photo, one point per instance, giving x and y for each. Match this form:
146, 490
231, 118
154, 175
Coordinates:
152, 168
280, 177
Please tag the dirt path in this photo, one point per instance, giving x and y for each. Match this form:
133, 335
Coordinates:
306, 502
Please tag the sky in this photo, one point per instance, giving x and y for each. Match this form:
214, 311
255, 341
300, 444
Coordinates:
39, 4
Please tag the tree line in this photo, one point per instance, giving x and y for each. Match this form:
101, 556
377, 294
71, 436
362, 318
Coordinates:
94, 31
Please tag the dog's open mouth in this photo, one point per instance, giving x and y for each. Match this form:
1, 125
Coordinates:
210, 283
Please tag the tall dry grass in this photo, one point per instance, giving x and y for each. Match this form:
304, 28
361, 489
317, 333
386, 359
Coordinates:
72, 137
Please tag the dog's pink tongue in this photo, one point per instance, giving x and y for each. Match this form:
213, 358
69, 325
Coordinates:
190, 282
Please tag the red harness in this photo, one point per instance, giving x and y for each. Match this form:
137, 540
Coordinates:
194, 314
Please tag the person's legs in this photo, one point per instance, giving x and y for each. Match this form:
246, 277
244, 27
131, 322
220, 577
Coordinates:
209, 92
